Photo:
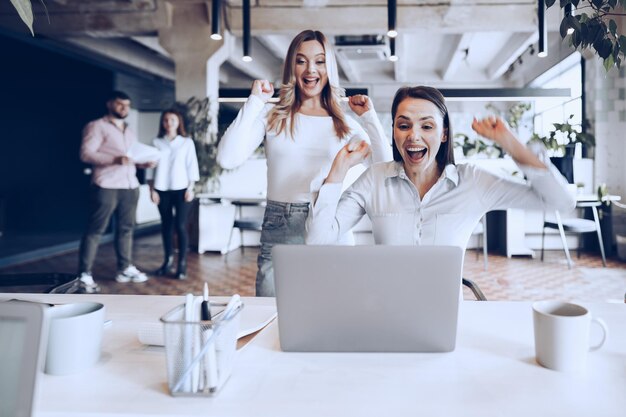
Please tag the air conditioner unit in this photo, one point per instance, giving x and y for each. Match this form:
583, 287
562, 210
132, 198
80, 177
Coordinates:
362, 47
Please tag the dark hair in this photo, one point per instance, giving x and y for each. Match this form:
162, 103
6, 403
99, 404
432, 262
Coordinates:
181, 123
445, 155
114, 95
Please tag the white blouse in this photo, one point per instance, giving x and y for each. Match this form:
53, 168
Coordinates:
178, 164
446, 215
294, 164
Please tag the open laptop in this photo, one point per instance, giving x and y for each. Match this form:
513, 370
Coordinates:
22, 335
367, 298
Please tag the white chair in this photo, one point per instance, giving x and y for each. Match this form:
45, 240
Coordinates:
575, 225
245, 223
481, 233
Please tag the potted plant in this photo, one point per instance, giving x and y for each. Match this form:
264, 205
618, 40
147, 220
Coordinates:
195, 112
562, 140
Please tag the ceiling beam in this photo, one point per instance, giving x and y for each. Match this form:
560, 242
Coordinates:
128, 53
514, 47
456, 18
264, 66
459, 53
276, 44
349, 69
441, 19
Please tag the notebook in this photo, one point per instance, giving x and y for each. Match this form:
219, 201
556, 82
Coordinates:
367, 298
21, 341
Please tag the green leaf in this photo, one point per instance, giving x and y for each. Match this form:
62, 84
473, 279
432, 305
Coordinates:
25, 10
608, 63
564, 27
612, 27
622, 44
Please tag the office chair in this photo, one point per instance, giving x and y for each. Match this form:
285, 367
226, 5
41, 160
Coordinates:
481, 230
576, 225
244, 223
475, 289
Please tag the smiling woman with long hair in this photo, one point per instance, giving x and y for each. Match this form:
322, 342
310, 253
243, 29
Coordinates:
422, 197
302, 132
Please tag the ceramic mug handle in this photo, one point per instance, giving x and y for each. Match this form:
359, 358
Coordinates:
605, 333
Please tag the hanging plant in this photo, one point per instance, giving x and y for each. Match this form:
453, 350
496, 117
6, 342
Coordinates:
593, 26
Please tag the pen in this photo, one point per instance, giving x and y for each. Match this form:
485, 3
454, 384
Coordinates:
205, 307
210, 360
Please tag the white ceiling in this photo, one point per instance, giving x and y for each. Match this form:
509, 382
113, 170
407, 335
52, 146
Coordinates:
458, 43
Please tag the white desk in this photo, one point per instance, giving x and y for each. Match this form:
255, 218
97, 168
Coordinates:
491, 373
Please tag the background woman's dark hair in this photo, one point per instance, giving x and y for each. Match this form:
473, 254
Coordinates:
181, 123
445, 155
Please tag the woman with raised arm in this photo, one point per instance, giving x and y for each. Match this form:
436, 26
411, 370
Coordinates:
303, 132
423, 197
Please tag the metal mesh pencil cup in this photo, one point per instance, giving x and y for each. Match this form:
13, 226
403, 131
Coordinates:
199, 354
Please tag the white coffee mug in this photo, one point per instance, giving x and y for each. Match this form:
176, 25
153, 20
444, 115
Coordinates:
562, 335
74, 337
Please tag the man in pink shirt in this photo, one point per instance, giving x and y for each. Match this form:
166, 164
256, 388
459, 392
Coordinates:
115, 189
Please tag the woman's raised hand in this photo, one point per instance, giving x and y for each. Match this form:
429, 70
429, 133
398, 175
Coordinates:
360, 104
353, 153
493, 128
263, 89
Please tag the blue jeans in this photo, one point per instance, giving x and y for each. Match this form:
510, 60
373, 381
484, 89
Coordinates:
283, 223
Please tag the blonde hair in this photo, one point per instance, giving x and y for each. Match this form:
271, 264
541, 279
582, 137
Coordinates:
289, 101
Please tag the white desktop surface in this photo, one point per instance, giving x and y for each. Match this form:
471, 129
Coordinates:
492, 372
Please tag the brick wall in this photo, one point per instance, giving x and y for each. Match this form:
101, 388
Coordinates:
606, 108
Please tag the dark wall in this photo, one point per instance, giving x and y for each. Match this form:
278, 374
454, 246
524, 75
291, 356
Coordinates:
46, 99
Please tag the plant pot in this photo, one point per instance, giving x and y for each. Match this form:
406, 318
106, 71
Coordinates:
565, 165
621, 247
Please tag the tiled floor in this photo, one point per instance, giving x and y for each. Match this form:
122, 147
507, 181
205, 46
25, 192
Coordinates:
505, 279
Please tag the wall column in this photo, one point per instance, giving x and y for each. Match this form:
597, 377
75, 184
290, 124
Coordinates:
606, 109
197, 57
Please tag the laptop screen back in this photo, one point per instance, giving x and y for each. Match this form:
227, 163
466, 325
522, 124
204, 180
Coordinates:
21, 326
367, 298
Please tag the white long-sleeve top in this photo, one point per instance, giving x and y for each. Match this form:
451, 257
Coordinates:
294, 163
446, 215
177, 167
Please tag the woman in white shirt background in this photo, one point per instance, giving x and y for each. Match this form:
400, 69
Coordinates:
172, 188
423, 197
303, 132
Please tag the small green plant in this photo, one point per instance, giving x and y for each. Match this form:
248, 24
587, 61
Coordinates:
197, 122
477, 146
564, 134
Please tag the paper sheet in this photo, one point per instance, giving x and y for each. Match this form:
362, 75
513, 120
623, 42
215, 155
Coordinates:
141, 153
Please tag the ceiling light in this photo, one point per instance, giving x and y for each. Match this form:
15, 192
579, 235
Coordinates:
391, 18
246, 31
392, 50
216, 11
543, 33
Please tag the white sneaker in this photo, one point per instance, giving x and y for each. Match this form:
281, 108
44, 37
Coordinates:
88, 285
131, 274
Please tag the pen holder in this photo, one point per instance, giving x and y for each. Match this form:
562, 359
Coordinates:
200, 354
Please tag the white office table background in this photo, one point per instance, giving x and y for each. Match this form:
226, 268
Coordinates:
492, 372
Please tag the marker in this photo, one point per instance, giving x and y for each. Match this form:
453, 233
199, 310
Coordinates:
210, 359
205, 307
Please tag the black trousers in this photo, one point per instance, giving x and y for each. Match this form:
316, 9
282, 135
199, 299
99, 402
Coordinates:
174, 214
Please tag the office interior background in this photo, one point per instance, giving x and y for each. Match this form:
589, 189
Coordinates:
484, 55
